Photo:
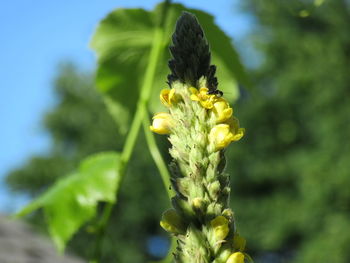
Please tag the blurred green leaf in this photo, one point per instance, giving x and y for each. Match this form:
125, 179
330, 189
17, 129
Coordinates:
123, 41
73, 200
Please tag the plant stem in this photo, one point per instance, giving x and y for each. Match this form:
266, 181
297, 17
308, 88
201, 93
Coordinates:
157, 158
155, 54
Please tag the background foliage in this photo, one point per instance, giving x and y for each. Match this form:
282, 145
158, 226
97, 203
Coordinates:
289, 174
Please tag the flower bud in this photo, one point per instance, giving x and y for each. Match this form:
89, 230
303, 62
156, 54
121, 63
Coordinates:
172, 222
214, 188
228, 213
222, 110
237, 257
220, 226
221, 136
167, 97
197, 203
161, 123
225, 133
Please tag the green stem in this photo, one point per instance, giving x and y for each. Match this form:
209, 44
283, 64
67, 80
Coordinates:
164, 173
101, 230
146, 88
157, 158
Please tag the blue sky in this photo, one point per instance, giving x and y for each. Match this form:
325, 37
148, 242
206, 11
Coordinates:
35, 37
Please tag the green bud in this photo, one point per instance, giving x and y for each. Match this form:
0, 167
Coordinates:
197, 203
228, 213
214, 188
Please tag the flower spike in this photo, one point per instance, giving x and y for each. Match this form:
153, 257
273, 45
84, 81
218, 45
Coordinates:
200, 125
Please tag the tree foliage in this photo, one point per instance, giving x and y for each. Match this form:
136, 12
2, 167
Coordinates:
291, 171
135, 219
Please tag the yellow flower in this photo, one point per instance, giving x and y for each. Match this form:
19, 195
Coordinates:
237, 132
167, 97
221, 136
207, 101
222, 110
172, 222
161, 123
225, 133
220, 226
237, 257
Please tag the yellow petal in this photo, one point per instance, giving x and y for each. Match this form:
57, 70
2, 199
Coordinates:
239, 134
172, 222
167, 97
206, 104
224, 115
237, 257
221, 136
203, 90
221, 228
222, 109
193, 90
194, 97
206, 101
218, 221
164, 97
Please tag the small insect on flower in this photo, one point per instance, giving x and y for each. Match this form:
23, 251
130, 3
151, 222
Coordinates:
216, 92
213, 82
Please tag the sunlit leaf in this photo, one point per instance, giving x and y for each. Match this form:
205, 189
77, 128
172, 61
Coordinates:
122, 43
73, 200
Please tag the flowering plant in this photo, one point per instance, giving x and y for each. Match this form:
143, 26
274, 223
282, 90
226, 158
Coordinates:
199, 122
200, 125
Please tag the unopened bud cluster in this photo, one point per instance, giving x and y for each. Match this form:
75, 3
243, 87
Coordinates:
200, 126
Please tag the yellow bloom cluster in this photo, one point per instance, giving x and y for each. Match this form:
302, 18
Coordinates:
201, 95
162, 121
225, 131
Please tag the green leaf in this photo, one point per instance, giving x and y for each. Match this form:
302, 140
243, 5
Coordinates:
72, 201
123, 41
